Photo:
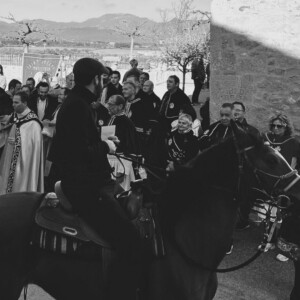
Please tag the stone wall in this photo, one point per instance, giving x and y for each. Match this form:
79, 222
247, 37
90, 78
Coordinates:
255, 58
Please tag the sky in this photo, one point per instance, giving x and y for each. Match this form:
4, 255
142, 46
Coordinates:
81, 10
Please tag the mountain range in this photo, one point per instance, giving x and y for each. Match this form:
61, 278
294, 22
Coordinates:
101, 29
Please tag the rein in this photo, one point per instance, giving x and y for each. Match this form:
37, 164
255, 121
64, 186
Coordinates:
148, 167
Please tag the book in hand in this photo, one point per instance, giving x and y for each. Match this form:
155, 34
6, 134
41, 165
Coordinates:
107, 131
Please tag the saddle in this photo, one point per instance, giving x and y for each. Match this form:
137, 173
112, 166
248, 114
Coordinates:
56, 214
62, 231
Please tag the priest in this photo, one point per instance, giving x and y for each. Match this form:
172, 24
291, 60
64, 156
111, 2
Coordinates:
21, 164
125, 130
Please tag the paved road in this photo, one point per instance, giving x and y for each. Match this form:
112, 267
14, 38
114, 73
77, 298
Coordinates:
264, 279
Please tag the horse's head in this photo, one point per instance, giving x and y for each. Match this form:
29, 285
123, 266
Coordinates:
272, 172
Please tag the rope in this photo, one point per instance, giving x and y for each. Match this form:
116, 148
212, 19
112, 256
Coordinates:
226, 270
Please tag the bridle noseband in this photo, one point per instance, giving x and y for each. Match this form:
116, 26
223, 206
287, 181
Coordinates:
242, 153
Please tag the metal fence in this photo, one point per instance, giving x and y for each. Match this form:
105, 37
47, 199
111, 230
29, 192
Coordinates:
11, 59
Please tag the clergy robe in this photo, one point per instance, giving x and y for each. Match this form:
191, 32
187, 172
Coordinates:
125, 131
21, 164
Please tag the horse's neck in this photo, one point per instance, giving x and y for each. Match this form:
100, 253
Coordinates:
204, 232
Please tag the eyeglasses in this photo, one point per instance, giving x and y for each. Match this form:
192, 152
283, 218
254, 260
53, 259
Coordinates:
277, 126
111, 104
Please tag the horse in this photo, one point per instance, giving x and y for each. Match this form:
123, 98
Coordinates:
198, 210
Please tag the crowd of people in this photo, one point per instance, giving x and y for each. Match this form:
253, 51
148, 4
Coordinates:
137, 113
50, 134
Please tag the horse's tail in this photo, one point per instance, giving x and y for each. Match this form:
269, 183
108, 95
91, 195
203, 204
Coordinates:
17, 211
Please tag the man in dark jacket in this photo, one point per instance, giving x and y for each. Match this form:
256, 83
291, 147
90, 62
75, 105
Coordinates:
114, 87
152, 97
218, 131
173, 101
239, 112
198, 75
139, 111
81, 156
42, 103
125, 130
6, 107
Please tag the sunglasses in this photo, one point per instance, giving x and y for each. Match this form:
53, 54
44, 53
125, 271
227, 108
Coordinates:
277, 126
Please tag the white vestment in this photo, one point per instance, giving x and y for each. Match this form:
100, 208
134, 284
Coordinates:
21, 163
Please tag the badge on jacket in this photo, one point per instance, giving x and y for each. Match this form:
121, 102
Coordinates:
171, 105
100, 122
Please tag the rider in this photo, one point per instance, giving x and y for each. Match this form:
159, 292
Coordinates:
81, 156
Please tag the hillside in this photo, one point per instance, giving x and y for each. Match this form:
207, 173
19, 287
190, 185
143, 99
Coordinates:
95, 29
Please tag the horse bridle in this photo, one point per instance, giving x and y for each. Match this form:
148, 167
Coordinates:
279, 178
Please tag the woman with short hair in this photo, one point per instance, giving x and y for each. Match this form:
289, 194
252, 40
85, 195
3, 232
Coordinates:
182, 144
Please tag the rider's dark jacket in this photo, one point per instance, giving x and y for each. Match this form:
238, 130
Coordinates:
77, 147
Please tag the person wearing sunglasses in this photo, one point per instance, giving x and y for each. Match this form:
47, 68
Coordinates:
281, 138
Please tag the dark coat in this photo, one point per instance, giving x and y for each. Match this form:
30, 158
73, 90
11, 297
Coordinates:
140, 111
77, 147
249, 128
198, 70
103, 115
182, 147
112, 90
171, 106
125, 131
287, 145
214, 135
51, 105
156, 102
6, 107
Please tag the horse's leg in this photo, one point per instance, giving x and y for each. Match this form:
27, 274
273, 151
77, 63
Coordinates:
172, 278
11, 281
69, 279
16, 221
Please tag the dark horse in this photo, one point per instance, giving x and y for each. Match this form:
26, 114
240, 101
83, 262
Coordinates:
198, 212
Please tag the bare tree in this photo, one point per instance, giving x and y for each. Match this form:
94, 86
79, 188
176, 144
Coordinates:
188, 39
181, 50
28, 32
132, 30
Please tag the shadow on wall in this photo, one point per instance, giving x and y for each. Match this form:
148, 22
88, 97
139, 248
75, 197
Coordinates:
264, 79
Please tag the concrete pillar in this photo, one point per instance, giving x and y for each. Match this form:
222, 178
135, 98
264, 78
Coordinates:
255, 58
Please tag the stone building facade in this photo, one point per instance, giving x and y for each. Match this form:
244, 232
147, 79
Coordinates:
255, 58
